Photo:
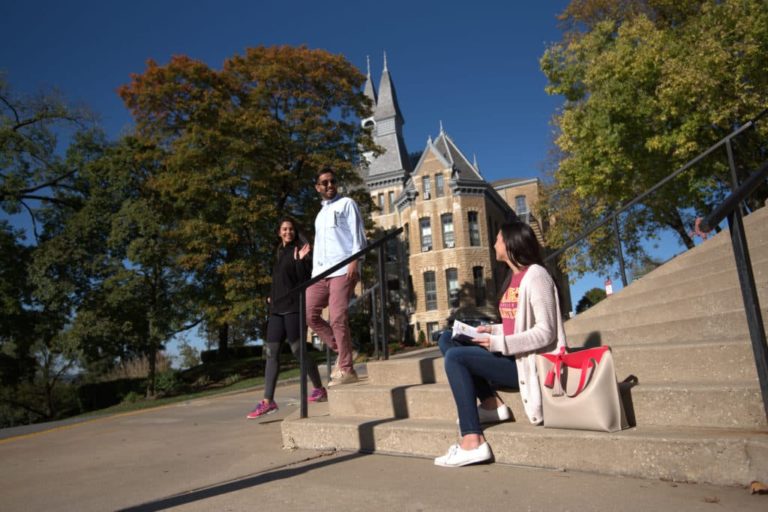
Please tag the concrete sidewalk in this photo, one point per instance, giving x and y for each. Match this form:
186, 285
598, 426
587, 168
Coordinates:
204, 455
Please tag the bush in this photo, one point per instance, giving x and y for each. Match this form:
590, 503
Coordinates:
132, 397
167, 382
97, 395
232, 379
241, 352
138, 367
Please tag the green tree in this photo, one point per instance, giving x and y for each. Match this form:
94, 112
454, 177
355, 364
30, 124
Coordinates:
648, 85
37, 177
32, 169
114, 265
241, 147
189, 355
590, 298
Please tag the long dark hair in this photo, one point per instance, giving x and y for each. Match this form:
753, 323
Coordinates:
522, 246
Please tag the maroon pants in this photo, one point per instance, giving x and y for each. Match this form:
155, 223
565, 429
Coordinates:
333, 292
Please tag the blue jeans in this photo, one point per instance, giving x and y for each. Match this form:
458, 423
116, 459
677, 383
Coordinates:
472, 372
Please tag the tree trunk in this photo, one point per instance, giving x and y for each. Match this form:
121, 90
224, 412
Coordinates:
674, 221
152, 355
224, 342
152, 370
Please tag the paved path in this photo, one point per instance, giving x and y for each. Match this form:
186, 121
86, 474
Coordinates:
203, 455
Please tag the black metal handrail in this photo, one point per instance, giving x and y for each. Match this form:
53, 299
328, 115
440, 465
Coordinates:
378, 244
730, 207
613, 216
735, 198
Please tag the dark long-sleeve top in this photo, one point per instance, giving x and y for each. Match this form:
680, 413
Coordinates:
286, 275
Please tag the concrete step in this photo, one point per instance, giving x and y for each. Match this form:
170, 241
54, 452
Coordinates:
697, 305
713, 327
697, 269
720, 360
709, 265
733, 404
719, 249
756, 227
716, 456
664, 291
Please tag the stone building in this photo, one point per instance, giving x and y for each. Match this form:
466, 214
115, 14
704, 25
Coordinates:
444, 267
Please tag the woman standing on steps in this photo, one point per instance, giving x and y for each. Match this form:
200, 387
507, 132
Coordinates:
531, 324
292, 267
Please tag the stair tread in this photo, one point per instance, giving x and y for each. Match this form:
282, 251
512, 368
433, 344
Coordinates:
641, 387
659, 432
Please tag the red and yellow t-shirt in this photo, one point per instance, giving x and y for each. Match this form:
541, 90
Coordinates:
508, 303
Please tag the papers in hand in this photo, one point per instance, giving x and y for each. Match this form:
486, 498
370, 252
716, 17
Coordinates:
464, 333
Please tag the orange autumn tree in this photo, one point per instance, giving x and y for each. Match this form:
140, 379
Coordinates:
240, 147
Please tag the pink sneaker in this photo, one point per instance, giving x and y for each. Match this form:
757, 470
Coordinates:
262, 409
318, 395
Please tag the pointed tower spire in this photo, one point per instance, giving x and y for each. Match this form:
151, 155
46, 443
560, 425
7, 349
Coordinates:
369, 90
387, 106
441, 127
393, 163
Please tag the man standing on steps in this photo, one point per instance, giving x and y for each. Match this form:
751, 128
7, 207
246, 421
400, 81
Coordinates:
339, 234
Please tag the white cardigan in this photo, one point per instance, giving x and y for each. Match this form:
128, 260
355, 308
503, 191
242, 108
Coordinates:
538, 329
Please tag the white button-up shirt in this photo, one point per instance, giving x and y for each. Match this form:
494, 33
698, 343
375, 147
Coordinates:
339, 233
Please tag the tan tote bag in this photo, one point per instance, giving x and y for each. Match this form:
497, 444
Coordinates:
579, 390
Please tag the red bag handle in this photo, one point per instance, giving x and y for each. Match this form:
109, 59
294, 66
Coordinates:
585, 360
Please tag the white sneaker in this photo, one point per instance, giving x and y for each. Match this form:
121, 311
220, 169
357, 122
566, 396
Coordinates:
336, 370
457, 457
501, 413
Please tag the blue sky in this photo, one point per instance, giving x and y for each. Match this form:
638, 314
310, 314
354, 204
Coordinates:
473, 66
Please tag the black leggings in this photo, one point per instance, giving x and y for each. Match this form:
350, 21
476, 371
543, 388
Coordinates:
284, 327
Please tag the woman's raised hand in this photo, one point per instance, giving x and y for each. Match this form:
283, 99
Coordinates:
300, 254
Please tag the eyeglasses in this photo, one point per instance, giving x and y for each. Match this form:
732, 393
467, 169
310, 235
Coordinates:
325, 183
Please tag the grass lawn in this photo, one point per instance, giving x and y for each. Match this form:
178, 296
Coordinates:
221, 383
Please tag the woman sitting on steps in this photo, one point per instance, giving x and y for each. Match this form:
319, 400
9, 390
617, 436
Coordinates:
531, 324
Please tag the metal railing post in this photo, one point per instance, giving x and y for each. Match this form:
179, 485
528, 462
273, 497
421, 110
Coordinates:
302, 356
732, 166
751, 301
383, 296
375, 327
619, 250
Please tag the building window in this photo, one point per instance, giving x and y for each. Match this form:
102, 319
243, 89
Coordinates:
391, 250
521, 208
474, 229
406, 241
426, 234
452, 280
430, 290
431, 328
381, 202
439, 185
449, 240
427, 187
479, 282
391, 197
